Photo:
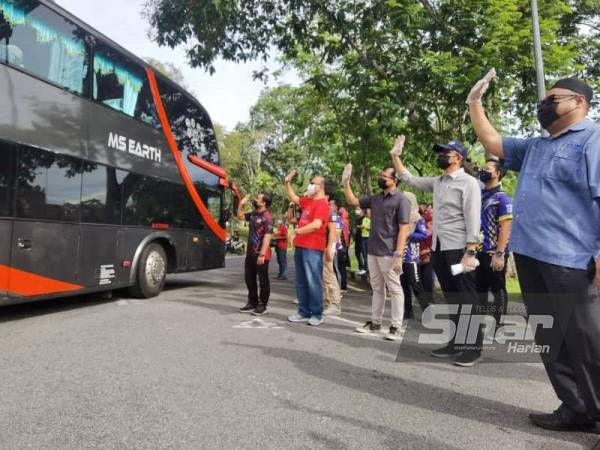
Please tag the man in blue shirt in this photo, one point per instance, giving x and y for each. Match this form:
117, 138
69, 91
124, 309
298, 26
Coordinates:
556, 240
496, 224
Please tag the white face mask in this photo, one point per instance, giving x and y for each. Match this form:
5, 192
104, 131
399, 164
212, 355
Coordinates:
311, 190
358, 212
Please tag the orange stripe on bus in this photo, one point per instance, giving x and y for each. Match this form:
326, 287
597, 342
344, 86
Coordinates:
29, 284
162, 114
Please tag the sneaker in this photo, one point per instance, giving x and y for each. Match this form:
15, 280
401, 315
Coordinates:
394, 334
369, 327
468, 358
296, 301
563, 419
446, 352
248, 308
315, 321
297, 318
361, 272
333, 310
260, 309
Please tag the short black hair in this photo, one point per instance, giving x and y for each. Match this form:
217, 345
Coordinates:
329, 188
498, 164
267, 199
394, 174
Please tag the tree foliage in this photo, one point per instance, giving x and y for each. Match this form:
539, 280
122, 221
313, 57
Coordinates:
375, 68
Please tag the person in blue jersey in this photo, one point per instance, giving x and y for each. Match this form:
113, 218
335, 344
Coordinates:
496, 224
556, 241
411, 277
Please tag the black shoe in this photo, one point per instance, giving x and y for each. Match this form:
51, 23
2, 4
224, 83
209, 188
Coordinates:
260, 309
468, 359
248, 308
446, 352
369, 327
563, 419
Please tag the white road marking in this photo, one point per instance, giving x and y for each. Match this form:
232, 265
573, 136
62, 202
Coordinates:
341, 319
260, 324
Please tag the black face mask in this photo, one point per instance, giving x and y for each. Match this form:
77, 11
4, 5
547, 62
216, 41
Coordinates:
443, 161
254, 204
546, 114
485, 176
382, 183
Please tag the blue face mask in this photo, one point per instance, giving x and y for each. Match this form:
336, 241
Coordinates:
485, 176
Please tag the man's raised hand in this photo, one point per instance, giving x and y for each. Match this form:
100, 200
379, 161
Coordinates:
347, 173
398, 146
290, 176
480, 87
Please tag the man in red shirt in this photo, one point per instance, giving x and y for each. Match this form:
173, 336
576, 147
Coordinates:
281, 238
310, 242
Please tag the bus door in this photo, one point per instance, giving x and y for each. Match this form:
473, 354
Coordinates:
46, 233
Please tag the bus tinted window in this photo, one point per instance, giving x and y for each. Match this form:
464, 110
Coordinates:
101, 194
190, 124
36, 39
156, 201
123, 85
6, 170
48, 186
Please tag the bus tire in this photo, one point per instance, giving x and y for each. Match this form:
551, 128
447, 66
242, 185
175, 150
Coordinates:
151, 272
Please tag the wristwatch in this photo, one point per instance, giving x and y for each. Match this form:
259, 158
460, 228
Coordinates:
471, 252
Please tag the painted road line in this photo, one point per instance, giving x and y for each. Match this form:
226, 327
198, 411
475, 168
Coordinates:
259, 324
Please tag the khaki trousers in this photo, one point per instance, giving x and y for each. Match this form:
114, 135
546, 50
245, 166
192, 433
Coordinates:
382, 276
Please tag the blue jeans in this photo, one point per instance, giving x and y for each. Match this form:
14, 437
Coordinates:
309, 282
365, 249
282, 262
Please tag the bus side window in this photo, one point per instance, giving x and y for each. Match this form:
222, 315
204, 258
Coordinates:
48, 186
38, 40
114, 84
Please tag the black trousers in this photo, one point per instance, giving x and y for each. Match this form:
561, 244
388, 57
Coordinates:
342, 263
426, 272
411, 282
487, 280
252, 271
458, 290
570, 297
361, 256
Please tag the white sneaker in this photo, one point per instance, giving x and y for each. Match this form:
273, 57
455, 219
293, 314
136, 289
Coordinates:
361, 272
369, 328
297, 318
315, 321
394, 334
333, 310
296, 301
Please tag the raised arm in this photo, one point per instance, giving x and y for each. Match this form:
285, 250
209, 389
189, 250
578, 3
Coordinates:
421, 183
240, 211
351, 199
486, 133
289, 190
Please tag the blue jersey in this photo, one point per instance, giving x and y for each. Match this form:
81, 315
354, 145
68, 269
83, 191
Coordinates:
413, 249
496, 206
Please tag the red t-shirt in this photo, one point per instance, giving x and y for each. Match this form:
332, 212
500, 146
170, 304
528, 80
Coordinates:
282, 232
313, 210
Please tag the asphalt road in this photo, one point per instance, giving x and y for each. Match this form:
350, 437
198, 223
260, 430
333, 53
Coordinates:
187, 371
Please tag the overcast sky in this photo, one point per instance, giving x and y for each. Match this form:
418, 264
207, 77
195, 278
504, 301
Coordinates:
227, 95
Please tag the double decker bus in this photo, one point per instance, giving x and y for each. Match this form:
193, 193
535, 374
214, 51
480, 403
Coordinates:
109, 171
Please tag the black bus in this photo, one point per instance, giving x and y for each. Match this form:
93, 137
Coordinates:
109, 172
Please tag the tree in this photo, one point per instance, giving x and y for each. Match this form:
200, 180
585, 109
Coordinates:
169, 70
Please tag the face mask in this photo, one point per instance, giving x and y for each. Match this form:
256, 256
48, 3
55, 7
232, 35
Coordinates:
311, 190
485, 176
382, 182
443, 161
546, 114
358, 212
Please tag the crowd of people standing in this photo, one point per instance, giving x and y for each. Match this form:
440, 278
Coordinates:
464, 237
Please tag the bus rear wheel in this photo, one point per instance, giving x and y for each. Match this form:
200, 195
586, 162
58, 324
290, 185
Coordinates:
151, 272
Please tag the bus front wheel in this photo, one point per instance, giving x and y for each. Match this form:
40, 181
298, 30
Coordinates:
151, 272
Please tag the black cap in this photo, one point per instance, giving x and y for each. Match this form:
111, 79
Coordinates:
576, 85
457, 146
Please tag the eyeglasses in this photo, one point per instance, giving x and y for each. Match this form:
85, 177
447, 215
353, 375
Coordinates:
555, 97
